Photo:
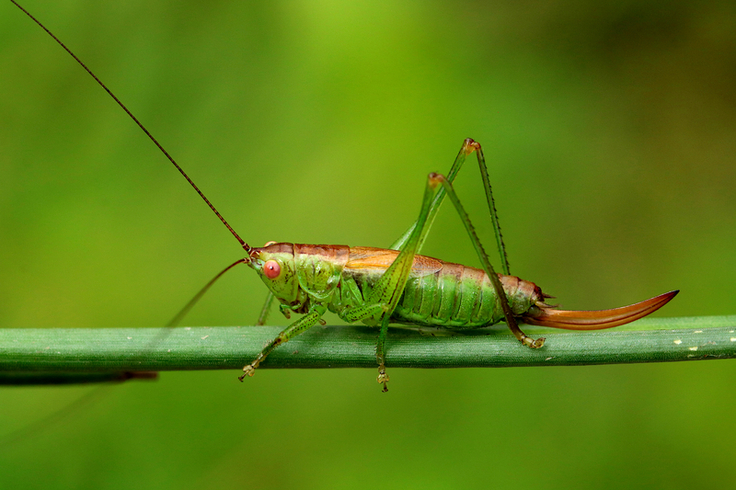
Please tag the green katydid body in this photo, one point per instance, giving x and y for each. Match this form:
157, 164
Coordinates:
437, 293
341, 279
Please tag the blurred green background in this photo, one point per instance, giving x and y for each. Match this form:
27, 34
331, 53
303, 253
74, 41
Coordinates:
611, 131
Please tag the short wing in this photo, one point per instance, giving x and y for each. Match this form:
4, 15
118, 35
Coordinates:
377, 260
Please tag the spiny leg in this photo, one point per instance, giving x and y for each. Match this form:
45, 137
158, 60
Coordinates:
299, 326
469, 146
390, 286
491, 203
357, 314
266, 309
508, 314
465, 150
381, 353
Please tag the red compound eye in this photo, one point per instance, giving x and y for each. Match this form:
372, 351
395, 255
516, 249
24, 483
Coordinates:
272, 269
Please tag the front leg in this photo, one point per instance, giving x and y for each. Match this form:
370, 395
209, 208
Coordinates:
304, 323
266, 309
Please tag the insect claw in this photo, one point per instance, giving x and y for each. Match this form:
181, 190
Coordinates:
532, 343
383, 377
248, 370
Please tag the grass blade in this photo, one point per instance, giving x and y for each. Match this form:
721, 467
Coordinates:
32, 355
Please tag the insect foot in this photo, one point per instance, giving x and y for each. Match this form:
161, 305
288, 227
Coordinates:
248, 370
383, 377
531, 343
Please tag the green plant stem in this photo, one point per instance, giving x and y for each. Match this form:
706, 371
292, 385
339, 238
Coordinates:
33, 355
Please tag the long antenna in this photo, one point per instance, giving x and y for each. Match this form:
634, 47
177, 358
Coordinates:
150, 136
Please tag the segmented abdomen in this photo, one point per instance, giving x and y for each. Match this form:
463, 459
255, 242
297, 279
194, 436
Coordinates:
441, 293
454, 296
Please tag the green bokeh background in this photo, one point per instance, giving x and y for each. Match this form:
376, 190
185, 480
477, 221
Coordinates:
611, 130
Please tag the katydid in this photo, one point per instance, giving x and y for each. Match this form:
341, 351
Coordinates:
379, 287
